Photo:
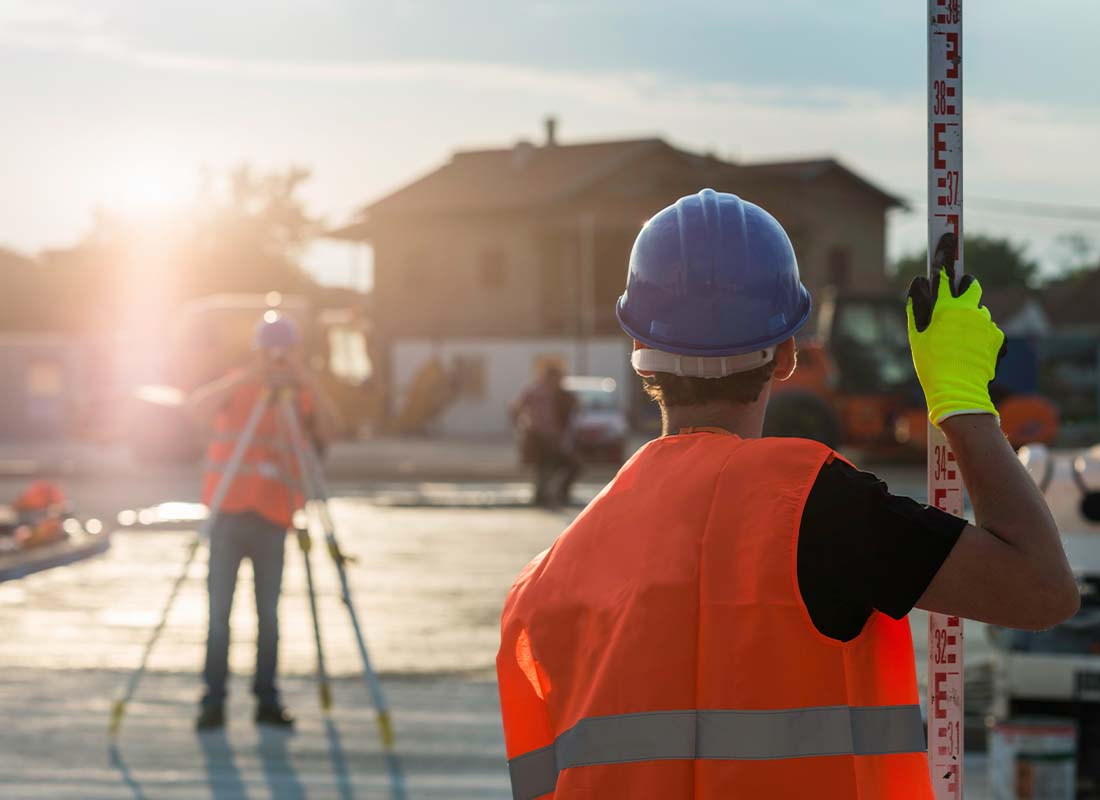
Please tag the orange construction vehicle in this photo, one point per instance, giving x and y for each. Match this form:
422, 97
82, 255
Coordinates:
855, 385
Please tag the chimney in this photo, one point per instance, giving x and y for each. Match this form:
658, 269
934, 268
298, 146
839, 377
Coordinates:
521, 154
551, 131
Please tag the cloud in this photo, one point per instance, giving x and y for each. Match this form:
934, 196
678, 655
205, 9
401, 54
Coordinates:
883, 133
1043, 152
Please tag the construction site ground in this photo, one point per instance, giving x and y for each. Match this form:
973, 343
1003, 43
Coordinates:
435, 559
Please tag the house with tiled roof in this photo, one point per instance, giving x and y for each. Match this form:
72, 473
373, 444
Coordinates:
525, 248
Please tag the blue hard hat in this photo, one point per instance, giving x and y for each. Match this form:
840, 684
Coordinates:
712, 275
275, 331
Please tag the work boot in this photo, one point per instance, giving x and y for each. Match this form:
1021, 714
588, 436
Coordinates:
210, 718
275, 715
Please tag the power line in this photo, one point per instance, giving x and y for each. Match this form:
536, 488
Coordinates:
1024, 208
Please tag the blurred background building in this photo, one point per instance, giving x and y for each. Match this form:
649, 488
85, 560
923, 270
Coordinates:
501, 259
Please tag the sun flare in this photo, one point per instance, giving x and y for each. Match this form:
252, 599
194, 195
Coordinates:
150, 188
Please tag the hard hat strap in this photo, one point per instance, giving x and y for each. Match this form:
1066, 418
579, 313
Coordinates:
647, 360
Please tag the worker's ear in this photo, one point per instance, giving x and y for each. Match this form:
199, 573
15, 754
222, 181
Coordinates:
786, 359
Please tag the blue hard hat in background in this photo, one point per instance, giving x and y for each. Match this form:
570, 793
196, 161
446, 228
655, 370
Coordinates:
712, 275
276, 331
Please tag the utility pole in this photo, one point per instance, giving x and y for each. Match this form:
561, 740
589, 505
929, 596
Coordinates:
586, 311
945, 485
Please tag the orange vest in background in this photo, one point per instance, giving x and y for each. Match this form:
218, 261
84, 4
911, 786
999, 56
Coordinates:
660, 649
268, 480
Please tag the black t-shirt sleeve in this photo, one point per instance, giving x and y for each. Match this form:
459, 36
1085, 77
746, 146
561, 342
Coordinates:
862, 549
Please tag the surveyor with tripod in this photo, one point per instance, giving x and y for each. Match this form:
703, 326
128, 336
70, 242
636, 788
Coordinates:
258, 504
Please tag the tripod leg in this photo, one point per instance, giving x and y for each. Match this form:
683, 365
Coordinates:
310, 469
305, 543
118, 709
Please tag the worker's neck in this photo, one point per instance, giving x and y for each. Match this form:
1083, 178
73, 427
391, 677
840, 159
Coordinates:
745, 420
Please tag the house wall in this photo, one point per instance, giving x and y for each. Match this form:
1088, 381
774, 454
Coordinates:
456, 276
557, 271
1030, 320
497, 370
434, 278
831, 221
42, 380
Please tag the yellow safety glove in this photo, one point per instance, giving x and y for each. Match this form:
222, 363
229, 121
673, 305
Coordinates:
955, 345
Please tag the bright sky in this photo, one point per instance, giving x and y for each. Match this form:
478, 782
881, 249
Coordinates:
120, 102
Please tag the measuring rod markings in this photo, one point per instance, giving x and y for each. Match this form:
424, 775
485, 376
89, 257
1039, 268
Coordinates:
945, 486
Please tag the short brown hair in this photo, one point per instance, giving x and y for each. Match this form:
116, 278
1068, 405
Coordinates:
677, 390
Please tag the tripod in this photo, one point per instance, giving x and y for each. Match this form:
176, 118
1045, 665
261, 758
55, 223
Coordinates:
280, 399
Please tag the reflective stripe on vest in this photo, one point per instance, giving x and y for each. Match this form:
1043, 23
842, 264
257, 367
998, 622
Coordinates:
268, 470
719, 734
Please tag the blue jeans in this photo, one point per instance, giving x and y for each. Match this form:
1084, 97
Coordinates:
233, 538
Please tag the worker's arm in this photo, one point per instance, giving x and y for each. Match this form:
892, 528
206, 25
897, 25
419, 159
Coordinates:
204, 403
1009, 568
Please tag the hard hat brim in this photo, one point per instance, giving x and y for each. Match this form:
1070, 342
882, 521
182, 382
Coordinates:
740, 348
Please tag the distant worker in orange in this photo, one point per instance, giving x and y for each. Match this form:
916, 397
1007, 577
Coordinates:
40, 510
259, 506
543, 415
727, 619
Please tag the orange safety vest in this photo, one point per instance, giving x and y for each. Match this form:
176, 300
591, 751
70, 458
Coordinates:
267, 482
661, 649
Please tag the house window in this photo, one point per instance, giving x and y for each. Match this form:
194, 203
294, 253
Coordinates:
493, 269
838, 267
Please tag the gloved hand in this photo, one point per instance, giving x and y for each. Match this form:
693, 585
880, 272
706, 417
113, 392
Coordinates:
955, 345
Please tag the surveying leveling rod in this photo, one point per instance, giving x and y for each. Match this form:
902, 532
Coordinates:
231, 468
945, 486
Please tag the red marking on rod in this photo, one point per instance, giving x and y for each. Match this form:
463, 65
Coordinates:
952, 640
950, 109
939, 696
953, 771
939, 146
941, 200
953, 53
942, 183
951, 658
954, 622
950, 91
941, 18
953, 224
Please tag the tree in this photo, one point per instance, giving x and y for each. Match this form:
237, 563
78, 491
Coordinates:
249, 233
1075, 254
997, 262
245, 233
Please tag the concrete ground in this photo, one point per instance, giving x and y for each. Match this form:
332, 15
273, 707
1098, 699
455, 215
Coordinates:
434, 563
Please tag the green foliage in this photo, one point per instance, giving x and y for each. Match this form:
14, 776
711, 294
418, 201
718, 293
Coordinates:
996, 262
1075, 254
